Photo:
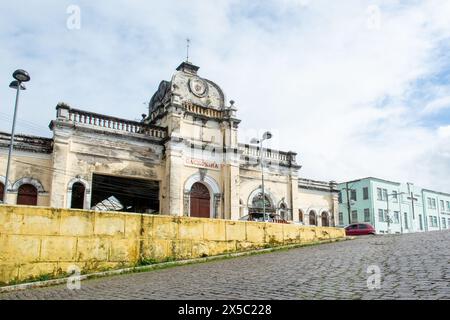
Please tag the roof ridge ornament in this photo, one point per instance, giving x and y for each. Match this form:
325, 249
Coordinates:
188, 41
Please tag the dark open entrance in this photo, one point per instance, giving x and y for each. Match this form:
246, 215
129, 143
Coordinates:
2, 189
135, 195
78, 191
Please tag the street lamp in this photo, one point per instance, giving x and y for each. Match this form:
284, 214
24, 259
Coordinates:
266, 136
20, 76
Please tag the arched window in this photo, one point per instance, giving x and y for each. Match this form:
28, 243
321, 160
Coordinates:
312, 218
2, 189
325, 222
300, 215
27, 195
241, 208
258, 204
78, 191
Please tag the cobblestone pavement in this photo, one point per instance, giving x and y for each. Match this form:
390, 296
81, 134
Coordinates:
412, 266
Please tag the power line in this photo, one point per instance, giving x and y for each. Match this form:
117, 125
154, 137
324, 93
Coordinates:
23, 123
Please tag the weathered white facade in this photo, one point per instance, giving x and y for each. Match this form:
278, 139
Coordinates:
183, 158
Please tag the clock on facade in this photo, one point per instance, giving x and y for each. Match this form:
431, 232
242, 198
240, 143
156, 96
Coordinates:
198, 87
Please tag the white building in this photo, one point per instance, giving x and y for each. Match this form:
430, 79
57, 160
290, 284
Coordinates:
183, 158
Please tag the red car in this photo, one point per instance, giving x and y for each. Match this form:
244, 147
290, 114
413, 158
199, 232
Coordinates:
359, 229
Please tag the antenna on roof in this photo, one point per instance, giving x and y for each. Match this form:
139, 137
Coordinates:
188, 41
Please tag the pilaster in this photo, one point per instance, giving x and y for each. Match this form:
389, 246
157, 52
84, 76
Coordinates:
174, 170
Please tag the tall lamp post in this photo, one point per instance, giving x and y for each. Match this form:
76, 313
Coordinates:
20, 76
266, 136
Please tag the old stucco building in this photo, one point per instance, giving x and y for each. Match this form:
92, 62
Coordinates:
183, 158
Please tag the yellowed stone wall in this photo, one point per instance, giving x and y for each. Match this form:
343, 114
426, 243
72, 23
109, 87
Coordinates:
36, 241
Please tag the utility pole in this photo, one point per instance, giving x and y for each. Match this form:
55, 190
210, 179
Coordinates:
348, 199
412, 198
412, 203
400, 213
348, 204
388, 218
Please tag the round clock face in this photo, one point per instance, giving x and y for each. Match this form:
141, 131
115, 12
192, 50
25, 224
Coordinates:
198, 87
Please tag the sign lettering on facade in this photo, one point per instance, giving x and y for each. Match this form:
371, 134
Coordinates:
202, 163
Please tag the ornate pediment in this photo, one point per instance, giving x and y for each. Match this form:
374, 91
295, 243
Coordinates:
161, 96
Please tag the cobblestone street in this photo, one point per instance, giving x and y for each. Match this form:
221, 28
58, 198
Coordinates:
412, 266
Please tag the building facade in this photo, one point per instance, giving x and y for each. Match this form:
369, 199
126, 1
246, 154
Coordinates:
393, 207
183, 158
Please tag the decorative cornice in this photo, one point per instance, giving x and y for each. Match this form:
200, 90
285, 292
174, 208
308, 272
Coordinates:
27, 143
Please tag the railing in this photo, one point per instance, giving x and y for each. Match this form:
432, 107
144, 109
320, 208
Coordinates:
208, 112
315, 184
253, 151
108, 122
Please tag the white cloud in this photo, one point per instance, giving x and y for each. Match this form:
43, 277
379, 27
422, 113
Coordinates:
444, 132
337, 92
437, 105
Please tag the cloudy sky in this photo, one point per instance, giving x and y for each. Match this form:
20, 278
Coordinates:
357, 88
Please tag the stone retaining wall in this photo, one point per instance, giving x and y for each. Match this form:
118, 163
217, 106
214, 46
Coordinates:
46, 242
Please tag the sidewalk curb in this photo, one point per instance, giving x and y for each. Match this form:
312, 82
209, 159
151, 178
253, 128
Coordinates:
47, 283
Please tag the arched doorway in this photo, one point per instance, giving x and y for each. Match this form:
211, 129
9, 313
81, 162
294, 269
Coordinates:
312, 218
77, 201
200, 200
207, 183
27, 195
2, 189
325, 221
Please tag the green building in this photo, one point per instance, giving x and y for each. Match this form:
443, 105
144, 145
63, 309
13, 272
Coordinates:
393, 207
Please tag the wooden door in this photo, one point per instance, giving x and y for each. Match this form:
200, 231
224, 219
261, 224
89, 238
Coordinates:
27, 195
200, 201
